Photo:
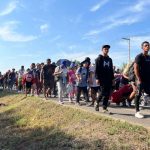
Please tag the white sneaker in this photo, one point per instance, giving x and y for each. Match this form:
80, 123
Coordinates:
139, 115
61, 102
106, 111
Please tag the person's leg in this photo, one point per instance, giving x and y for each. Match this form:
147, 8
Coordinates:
54, 90
85, 93
94, 91
70, 92
99, 99
26, 90
106, 94
137, 101
137, 97
78, 94
59, 85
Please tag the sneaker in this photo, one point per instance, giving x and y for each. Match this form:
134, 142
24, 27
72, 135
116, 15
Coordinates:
106, 111
86, 103
77, 103
139, 115
97, 107
70, 100
61, 102
91, 105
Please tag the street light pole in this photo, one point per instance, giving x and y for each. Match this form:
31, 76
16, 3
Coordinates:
129, 57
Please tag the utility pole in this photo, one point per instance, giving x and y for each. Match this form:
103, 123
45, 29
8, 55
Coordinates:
129, 48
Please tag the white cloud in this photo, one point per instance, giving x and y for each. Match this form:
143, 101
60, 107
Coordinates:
80, 56
99, 5
55, 38
135, 41
117, 57
77, 19
44, 28
9, 8
113, 23
140, 5
126, 16
7, 33
71, 47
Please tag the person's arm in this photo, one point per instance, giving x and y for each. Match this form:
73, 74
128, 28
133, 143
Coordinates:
112, 73
90, 77
78, 75
41, 75
137, 74
97, 70
58, 71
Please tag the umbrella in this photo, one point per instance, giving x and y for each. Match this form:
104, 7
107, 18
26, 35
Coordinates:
68, 62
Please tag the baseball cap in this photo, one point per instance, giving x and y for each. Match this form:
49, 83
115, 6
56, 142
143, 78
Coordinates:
105, 46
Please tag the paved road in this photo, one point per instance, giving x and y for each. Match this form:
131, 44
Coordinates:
124, 114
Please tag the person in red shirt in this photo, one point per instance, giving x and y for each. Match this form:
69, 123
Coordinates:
28, 81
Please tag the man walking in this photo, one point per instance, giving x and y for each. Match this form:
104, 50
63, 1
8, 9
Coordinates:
142, 73
48, 78
104, 76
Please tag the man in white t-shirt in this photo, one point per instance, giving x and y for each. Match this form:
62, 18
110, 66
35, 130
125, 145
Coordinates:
94, 88
61, 74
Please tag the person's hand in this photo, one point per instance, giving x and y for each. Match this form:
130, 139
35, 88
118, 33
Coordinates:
79, 79
139, 82
97, 82
90, 81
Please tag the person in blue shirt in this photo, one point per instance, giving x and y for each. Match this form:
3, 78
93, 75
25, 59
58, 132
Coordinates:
82, 82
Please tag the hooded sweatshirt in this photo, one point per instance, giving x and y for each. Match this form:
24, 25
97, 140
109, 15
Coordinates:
104, 70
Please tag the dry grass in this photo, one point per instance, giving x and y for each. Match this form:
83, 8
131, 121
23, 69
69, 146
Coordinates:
33, 124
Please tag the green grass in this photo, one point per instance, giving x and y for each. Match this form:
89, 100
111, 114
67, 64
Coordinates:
33, 124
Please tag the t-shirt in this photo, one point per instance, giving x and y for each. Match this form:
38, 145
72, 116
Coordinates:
144, 67
21, 73
83, 72
72, 76
47, 72
12, 76
63, 75
92, 71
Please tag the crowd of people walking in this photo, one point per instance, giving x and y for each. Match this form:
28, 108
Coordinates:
98, 81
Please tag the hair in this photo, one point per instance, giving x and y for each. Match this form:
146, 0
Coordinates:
145, 42
48, 59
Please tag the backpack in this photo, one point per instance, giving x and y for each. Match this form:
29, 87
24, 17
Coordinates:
131, 73
29, 77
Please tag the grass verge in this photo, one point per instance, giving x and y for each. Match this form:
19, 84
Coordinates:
33, 124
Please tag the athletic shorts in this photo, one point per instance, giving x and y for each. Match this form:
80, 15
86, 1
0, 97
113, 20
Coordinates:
48, 84
94, 90
28, 85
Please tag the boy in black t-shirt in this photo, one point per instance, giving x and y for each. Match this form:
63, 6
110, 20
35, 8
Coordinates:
142, 72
